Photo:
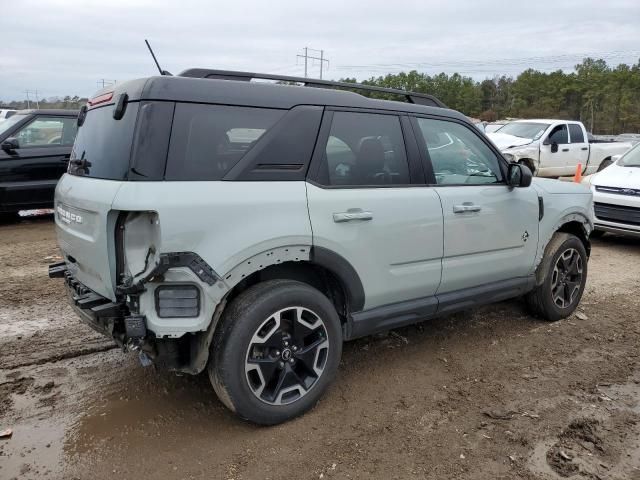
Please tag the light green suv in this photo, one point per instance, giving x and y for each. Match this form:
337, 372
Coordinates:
249, 228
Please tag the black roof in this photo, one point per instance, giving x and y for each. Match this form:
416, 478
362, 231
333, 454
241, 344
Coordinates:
261, 94
49, 111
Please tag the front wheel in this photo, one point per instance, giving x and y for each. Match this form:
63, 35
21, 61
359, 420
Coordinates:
276, 351
561, 276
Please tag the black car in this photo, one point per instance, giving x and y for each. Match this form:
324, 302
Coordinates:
35, 146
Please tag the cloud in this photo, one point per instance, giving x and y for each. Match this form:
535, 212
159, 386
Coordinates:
64, 47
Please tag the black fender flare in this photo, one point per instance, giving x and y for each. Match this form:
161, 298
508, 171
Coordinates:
344, 271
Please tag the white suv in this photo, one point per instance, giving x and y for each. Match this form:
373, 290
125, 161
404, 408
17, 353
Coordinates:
207, 221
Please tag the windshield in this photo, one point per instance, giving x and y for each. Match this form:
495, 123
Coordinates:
8, 124
529, 130
631, 158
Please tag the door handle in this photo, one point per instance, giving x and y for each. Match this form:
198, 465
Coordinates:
565, 149
466, 207
351, 215
585, 148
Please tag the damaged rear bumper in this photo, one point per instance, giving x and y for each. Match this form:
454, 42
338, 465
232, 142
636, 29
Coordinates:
100, 313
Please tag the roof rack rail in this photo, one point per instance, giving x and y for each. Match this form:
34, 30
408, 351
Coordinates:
410, 97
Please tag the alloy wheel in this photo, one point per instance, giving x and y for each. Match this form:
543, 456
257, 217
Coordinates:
286, 355
567, 278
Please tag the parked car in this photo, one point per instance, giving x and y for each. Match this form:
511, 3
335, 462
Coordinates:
34, 151
248, 228
5, 113
554, 148
616, 195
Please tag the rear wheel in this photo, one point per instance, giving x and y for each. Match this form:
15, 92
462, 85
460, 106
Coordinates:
564, 275
276, 351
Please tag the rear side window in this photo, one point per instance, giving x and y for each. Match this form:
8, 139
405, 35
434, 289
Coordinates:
208, 140
364, 149
103, 145
575, 132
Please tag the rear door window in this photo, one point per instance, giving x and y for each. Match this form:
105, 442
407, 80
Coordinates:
208, 140
364, 149
575, 132
103, 145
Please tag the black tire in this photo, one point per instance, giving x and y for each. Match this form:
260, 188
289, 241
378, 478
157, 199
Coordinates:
550, 281
9, 217
597, 234
250, 317
604, 164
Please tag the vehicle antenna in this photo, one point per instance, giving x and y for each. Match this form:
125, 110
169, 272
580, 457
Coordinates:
162, 72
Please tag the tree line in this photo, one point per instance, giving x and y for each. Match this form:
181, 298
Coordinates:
605, 98
68, 103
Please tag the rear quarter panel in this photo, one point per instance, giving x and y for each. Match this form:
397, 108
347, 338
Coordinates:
223, 222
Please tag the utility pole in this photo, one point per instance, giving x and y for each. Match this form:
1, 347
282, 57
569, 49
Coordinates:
37, 101
28, 101
306, 57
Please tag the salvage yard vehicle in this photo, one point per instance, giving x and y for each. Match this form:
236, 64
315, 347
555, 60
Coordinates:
208, 221
554, 148
35, 146
5, 114
616, 195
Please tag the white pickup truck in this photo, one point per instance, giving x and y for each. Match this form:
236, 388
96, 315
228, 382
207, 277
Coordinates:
553, 148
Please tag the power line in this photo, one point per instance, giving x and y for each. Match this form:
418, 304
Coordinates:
308, 57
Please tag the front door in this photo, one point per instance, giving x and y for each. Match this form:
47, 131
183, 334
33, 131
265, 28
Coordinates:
365, 206
555, 153
490, 229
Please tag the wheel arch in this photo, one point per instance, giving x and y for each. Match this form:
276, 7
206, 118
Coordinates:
320, 268
529, 162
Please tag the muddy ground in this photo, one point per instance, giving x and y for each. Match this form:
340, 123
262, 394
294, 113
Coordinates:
486, 394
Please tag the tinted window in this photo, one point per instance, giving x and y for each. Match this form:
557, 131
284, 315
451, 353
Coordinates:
48, 131
575, 131
104, 143
458, 155
365, 149
208, 140
559, 135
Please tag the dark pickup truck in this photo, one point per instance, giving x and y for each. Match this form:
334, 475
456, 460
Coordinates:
35, 146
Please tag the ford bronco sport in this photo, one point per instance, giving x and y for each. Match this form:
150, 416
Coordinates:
249, 228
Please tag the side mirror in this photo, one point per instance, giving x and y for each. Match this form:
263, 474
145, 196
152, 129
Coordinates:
10, 145
554, 147
519, 175
615, 158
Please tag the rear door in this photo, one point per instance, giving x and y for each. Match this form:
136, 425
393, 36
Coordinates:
490, 229
578, 147
368, 204
41, 159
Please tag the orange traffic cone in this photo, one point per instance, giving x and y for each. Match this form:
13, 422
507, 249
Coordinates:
578, 176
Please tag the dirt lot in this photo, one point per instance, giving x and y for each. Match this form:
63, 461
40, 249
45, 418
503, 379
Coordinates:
491, 393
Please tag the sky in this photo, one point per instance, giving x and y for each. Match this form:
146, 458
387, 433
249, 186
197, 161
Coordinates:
65, 47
